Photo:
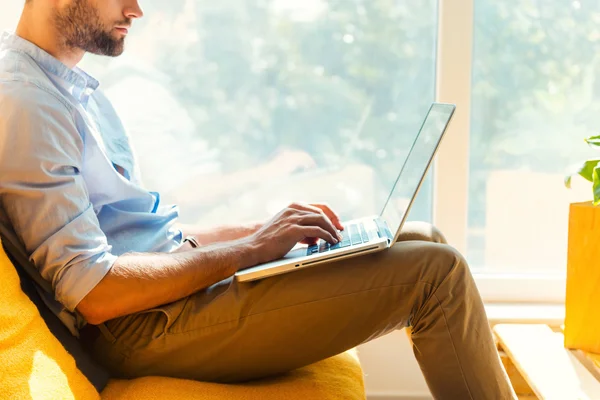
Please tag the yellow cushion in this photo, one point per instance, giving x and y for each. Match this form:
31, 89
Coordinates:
34, 365
339, 377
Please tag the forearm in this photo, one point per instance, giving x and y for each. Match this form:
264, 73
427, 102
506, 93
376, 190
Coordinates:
139, 282
219, 234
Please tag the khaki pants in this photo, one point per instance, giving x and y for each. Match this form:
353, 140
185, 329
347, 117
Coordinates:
239, 331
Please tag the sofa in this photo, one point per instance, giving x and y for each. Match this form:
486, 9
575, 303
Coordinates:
35, 365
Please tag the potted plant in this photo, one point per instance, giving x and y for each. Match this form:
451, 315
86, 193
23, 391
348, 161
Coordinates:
582, 322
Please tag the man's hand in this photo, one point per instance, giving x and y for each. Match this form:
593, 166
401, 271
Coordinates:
325, 210
298, 223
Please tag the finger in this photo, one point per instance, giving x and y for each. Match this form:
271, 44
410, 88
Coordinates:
304, 207
316, 232
319, 220
312, 208
335, 219
310, 241
321, 209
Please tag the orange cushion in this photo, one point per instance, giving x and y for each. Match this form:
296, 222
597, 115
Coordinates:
339, 377
34, 363
36, 366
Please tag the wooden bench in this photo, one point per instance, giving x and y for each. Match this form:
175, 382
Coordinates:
541, 368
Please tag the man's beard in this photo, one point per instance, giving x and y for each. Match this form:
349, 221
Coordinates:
81, 27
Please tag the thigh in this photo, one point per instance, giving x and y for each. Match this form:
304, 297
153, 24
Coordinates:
237, 331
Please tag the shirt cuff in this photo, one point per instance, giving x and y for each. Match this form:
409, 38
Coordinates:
78, 281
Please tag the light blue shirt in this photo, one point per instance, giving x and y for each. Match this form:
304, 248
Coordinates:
60, 192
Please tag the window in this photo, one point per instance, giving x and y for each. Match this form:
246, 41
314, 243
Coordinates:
534, 99
10, 14
256, 104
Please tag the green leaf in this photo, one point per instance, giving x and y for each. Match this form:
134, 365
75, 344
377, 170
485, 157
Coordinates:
593, 141
596, 186
586, 170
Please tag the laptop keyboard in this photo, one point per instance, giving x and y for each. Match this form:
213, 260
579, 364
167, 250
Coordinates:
352, 235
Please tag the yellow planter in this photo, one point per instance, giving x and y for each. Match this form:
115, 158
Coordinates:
582, 320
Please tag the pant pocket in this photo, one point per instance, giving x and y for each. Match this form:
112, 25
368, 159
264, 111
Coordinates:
167, 315
137, 330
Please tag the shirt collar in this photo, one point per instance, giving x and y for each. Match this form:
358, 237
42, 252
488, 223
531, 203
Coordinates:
76, 81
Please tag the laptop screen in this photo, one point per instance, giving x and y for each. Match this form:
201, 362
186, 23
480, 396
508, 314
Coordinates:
416, 165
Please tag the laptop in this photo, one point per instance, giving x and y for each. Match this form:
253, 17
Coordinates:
374, 233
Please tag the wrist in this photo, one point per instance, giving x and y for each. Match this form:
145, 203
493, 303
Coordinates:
249, 251
252, 227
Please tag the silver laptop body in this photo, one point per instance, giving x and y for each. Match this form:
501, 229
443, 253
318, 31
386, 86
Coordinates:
374, 233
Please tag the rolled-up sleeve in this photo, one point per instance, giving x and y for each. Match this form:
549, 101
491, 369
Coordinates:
43, 194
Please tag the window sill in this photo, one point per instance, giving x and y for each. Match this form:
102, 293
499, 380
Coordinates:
520, 288
525, 313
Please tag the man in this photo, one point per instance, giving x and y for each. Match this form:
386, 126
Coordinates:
156, 304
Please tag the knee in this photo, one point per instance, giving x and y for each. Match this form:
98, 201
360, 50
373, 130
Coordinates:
455, 282
444, 262
423, 231
450, 285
